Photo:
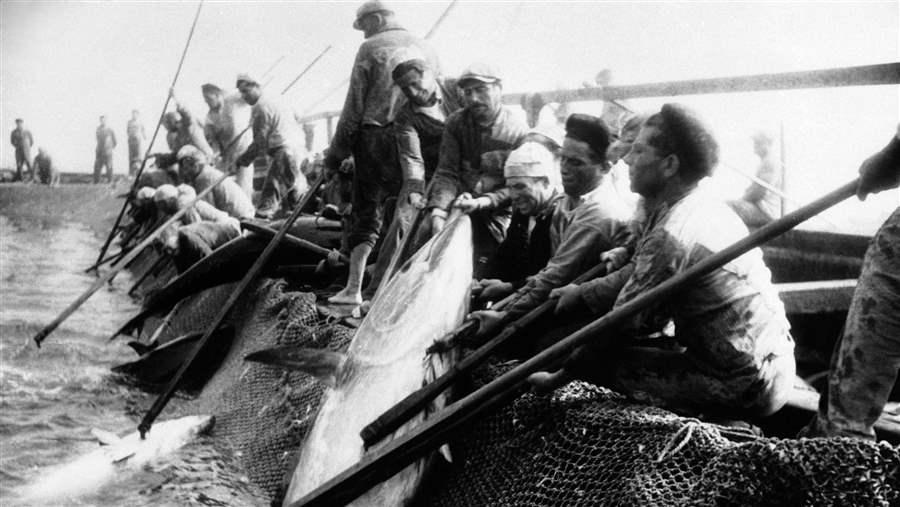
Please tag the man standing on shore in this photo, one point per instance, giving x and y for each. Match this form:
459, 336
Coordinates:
106, 144
21, 139
136, 138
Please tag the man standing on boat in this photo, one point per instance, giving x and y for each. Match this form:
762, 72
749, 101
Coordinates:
418, 127
734, 355
22, 141
226, 131
866, 358
365, 131
276, 134
560, 236
136, 138
760, 205
469, 175
106, 145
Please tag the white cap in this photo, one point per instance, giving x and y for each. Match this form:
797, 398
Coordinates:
531, 160
191, 151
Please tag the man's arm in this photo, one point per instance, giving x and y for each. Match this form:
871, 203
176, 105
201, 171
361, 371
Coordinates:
257, 120
882, 170
354, 105
445, 183
412, 164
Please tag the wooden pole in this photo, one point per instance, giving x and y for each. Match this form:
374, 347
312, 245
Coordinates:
223, 312
290, 239
42, 334
406, 408
399, 453
304, 71
137, 176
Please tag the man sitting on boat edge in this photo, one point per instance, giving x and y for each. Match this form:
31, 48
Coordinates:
735, 354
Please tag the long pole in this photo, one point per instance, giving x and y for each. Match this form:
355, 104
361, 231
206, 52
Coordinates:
399, 453
137, 176
304, 71
223, 312
42, 334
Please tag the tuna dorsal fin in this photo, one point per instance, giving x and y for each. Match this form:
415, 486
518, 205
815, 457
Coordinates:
105, 437
325, 365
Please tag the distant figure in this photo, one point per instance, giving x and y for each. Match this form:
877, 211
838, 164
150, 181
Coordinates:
44, 170
136, 138
21, 139
106, 144
227, 131
760, 205
365, 131
276, 134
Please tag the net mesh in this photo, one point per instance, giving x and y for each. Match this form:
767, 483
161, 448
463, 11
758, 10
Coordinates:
582, 445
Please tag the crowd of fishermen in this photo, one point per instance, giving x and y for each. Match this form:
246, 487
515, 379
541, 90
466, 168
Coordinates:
413, 148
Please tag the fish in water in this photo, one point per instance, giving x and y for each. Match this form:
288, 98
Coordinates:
115, 458
385, 362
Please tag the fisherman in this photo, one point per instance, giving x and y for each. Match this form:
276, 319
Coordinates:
44, 170
418, 127
617, 151
22, 141
736, 353
365, 131
106, 144
227, 196
136, 138
469, 175
276, 134
183, 129
226, 128
564, 238
760, 205
866, 358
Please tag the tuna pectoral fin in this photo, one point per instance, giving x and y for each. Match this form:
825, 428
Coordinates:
325, 365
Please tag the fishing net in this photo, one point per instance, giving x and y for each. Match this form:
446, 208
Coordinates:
586, 445
263, 412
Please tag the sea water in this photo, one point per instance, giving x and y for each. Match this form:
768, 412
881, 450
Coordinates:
51, 397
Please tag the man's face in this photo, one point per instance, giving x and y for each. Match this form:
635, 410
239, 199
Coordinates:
188, 169
580, 173
482, 99
212, 99
249, 92
528, 194
102, 121
20, 124
645, 164
418, 87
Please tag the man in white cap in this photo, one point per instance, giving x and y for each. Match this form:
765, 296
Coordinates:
587, 221
276, 134
227, 196
364, 130
476, 141
226, 124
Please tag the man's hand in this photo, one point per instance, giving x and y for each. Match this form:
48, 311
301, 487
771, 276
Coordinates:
492, 289
467, 204
878, 173
437, 223
417, 200
489, 322
614, 258
569, 298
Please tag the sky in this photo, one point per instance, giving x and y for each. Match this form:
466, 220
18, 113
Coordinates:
62, 64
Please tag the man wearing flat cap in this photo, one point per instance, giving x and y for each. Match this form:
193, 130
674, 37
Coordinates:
476, 141
277, 135
365, 131
735, 355
587, 221
227, 133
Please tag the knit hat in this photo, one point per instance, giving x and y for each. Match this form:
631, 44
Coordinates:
402, 68
589, 129
531, 160
144, 195
191, 151
210, 88
165, 194
246, 78
370, 7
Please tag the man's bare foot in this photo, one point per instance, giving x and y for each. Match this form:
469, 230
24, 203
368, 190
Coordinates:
346, 297
544, 382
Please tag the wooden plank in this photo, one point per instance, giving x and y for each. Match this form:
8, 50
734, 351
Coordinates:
816, 297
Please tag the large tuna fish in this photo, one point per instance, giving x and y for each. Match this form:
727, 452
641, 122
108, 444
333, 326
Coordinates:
115, 458
385, 362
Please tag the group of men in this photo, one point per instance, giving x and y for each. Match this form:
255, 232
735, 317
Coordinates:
41, 166
545, 209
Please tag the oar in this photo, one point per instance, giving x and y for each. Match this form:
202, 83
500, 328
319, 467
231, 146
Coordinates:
118, 255
408, 407
401, 452
290, 239
223, 312
42, 334
137, 176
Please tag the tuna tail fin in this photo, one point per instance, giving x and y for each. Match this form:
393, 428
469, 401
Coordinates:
136, 323
141, 348
325, 365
